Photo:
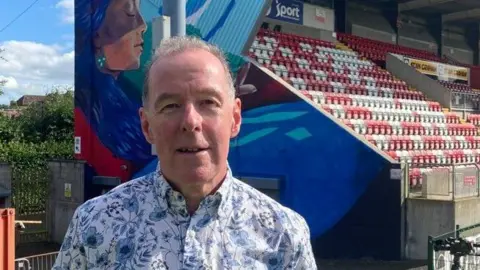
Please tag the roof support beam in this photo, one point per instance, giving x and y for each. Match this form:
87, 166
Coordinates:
416, 4
461, 15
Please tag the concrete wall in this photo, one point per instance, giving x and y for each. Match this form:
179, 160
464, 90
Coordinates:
455, 44
435, 217
66, 194
370, 23
430, 87
467, 213
301, 30
461, 55
6, 182
310, 20
414, 33
426, 217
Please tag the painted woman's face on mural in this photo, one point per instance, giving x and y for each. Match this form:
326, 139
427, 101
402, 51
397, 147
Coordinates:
120, 37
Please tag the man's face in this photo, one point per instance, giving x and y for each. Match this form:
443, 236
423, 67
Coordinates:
190, 116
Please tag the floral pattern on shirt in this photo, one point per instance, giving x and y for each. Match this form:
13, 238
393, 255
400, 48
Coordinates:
144, 224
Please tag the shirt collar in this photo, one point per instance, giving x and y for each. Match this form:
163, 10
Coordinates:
216, 203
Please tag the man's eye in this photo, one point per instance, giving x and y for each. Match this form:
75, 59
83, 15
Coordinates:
209, 102
170, 107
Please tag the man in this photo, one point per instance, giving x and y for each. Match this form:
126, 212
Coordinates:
191, 213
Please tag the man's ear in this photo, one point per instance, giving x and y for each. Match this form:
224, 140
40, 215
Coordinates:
237, 117
146, 128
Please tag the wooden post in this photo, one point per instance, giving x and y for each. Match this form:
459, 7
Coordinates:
7, 238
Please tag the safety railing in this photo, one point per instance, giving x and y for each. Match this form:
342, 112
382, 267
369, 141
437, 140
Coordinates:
37, 262
459, 249
465, 101
442, 181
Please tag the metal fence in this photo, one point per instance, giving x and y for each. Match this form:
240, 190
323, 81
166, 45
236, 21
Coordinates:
442, 181
30, 184
465, 101
37, 262
444, 259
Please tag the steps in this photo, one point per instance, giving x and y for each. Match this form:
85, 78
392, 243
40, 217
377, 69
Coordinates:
342, 46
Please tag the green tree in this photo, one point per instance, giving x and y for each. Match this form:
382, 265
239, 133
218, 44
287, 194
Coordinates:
8, 129
43, 131
13, 104
49, 120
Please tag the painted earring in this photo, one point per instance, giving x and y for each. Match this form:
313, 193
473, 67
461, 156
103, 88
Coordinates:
101, 61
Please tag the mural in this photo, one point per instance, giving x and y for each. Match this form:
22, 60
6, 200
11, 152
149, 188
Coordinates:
329, 176
338, 183
113, 43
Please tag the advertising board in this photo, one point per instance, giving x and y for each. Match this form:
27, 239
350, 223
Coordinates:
440, 71
286, 10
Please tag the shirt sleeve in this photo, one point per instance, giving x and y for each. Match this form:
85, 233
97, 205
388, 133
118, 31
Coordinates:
302, 257
72, 253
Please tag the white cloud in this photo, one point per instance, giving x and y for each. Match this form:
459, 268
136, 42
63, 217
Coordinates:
10, 82
67, 10
34, 68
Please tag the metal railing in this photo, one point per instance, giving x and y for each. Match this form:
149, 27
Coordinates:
442, 181
444, 259
465, 101
36, 262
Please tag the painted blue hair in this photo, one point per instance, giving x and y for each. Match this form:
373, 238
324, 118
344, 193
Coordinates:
112, 115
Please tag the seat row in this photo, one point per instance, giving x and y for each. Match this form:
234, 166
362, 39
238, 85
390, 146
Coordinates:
331, 75
370, 127
380, 114
374, 101
474, 119
293, 38
412, 142
436, 156
379, 49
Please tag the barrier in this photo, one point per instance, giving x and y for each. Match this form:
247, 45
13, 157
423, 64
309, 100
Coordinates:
443, 260
37, 262
437, 70
467, 101
442, 181
21, 264
7, 238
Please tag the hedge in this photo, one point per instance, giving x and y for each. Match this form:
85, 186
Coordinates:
30, 171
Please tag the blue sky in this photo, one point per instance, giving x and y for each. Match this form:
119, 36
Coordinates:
42, 23
38, 46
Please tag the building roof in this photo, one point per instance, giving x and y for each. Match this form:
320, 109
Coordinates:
29, 99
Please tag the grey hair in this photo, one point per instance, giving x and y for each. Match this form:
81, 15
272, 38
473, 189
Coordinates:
178, 44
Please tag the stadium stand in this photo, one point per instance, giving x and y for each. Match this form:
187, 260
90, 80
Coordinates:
395, 118
458, 87
377, 50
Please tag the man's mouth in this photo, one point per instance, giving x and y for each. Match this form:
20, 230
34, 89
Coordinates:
191, 150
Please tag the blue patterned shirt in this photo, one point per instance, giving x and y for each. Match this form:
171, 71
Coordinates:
144, 224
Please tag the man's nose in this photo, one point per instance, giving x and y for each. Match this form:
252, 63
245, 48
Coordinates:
192, 119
